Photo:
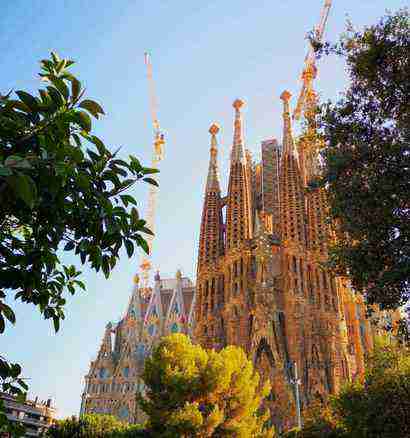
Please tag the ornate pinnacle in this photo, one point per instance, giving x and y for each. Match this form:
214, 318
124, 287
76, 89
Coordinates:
238, 104
214, 129
285, 96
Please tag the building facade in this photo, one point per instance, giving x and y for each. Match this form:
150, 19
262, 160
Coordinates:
114, 376
260, 280
35, 416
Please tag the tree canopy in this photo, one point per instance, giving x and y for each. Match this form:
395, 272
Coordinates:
377, 407
193, 392
61, 190
367, 160
94, 426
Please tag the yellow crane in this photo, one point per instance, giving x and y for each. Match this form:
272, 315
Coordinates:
306, 95
158, 155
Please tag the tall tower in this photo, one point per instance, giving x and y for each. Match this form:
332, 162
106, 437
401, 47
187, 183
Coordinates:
292, 203
238, 210
210, 282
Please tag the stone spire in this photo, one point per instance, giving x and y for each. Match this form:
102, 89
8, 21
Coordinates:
292, 203
212, 182
106, 345
134, 305
211, 237
238, 212
237, 153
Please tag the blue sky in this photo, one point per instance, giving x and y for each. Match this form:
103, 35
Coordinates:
205, 54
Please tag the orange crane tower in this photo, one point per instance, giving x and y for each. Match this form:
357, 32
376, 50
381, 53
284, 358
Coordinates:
158, 155
309, 73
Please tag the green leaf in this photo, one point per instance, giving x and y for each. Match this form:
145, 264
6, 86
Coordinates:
84, 120
99, 145
61, 87
8, 312
28, 99
129, 247
151, 181
147, 231
55, 57
18, 105
60, 66
75, 88
127, 199
55, 96
134, 215
143, 244
56, 322
24, 187
92, 107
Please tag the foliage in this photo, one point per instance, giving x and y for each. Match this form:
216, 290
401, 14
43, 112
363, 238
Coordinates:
377, 407
193, 392
319, 421
60, 189
95, 426
367, 160
7, 427
380, 406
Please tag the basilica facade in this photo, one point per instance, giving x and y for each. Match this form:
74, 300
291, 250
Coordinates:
114, 377
261, 282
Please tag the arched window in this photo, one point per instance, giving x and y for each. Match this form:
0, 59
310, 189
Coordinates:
126, 372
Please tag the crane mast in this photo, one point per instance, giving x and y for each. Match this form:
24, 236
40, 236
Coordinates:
157, 156
310, 71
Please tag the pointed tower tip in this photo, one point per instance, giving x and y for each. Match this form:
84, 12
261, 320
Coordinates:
214, 129
285, 96
238, 104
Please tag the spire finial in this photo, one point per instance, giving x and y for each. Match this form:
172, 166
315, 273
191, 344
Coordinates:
285, 96
238, 104
214, 129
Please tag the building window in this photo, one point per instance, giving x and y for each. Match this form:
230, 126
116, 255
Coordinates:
126, 372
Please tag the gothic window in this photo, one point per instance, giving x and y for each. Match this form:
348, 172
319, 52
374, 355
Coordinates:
126, 371
174, 328
103, 373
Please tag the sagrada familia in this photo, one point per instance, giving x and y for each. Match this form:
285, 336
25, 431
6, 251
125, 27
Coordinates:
260, 285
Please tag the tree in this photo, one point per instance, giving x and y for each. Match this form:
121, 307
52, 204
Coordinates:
367, 161
60, 189
193, 392
380, 406
93, 426
377, 407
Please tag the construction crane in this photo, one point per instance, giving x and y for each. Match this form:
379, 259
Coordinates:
158, 155
310, 71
